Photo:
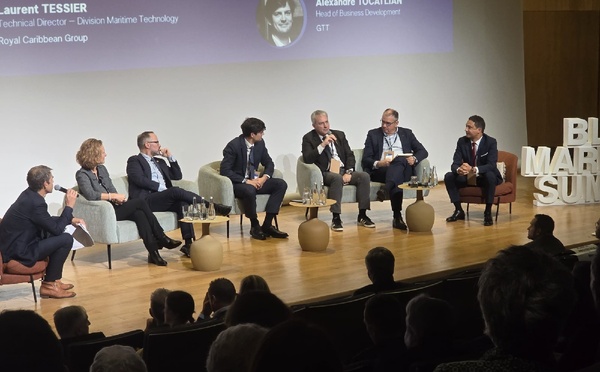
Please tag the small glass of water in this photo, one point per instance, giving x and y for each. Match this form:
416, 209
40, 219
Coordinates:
306, 196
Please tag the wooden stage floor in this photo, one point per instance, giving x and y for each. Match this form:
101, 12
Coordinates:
117, 300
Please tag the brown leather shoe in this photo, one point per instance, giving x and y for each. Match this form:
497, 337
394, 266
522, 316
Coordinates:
53, 290
64, 286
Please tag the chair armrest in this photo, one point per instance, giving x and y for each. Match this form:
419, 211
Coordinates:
307, 175
187, 185
100, 219
211, 183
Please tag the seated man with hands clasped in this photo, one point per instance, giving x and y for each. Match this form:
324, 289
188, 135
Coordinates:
95, 184
390, 156
329, 150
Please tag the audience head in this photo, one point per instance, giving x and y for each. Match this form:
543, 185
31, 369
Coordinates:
179, 308
28, 343
234, 348
428, 321
71, 321
380, 264
295, 346
118, 358
252, 126
90, 154
253, 283
259, 307
525, 296
384, 318
38, 176
598, 229
540, 225
221, 293
157, 305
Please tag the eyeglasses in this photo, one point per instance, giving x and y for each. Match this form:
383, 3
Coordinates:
388, 123
152, 142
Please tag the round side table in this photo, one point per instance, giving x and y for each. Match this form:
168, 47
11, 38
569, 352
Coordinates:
313, 234
207, 252
419, 215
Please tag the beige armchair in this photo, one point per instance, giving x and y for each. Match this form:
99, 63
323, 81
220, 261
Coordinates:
102, 222
211, 183
308, 174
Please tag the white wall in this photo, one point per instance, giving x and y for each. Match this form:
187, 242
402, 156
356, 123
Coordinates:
195, 111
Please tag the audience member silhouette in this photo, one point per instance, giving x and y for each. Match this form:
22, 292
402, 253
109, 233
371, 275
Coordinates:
541, 233
525, 297
72, 325
259, 307
380, 269
384, 320
28, 343
179, 308
295, 346
234, 348
157, 309
118, 358
253, 283
218, 298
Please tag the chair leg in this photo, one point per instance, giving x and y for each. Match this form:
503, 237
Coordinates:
33, 288
73, 255
509, 208
109, 256
227, 229
467, 209
241, 217
306, 214
497, 208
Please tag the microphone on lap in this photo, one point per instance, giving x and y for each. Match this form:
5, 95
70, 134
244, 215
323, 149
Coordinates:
58, 187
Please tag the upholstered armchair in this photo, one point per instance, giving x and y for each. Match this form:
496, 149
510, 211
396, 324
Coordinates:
308, 174
102, 222
211, 183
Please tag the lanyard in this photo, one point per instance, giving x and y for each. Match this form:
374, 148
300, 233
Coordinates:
390, 145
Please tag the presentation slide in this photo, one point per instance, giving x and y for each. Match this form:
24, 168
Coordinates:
39, 37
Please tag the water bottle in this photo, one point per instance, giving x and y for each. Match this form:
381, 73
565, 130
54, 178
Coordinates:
203, 209
315, 195
434, 177
322, 195
195, 215
211, 210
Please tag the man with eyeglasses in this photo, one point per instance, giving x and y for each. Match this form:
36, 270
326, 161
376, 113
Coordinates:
149, 178
390, 155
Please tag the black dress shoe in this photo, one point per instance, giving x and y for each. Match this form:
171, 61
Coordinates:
487, 219
399, 223
273, 232
381, 195
457, 215
155, 258
185, 249
257, 233
222, 210
166, 242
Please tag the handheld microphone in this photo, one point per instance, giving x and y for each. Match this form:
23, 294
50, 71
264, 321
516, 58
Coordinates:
328, 134
58, 187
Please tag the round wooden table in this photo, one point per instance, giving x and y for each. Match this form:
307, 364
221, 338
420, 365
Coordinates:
313, 234
207, 252
419, 215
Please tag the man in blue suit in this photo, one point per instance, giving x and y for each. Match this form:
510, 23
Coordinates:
382, 161
29, 234
475, 157
241, 158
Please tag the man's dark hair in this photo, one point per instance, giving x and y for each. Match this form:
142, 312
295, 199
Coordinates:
544, 223
223, 290
182, 305
142, 138
37, 176
525, 296
272, 5
380, 264
252, 125
384, 317
478, 121
258, 307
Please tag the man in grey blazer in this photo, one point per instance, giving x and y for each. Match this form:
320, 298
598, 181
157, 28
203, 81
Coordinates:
324, 147
391, 170
475, 156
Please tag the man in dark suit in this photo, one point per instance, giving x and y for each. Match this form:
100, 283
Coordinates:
387, 158
241, 158
475, 156
150, 178
329, 150
29, 234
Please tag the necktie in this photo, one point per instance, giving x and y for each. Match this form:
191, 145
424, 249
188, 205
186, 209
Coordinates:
251, 163
473, 152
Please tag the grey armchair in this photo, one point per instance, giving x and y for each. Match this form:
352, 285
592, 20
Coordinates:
102, 223
308, 174
211, 183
